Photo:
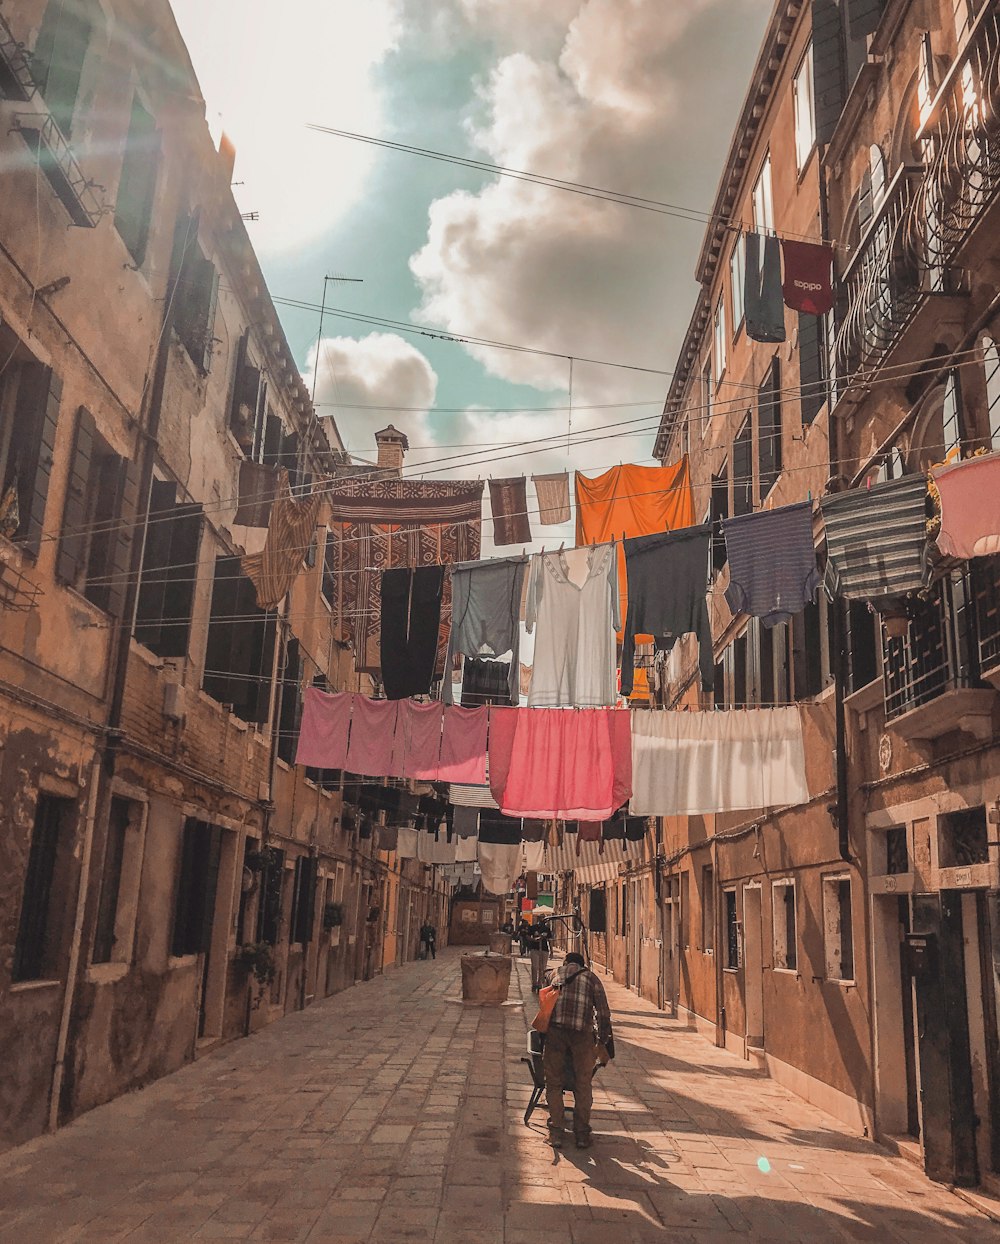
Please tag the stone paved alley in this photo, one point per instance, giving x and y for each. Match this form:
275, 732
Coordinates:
391, 1113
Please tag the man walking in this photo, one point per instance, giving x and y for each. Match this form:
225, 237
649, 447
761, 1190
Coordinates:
581, 1007
428, 941
539, 948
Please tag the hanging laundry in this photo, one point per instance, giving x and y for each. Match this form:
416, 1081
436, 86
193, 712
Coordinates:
668, 582
466, 822
373, 729
545, 763
464, 795
808, 284
763, 304
573, 598
388, 837
391, 523
406, 843
863, 17
496, 827
417, 752
485, 682
613, 829
499, 866
466, 848
290, 529
876, 540
635, 828
532, 856
552, 493
463, 745
326, 721
258, 489
435, 849
486, 609
509, 503
970, 507
524, 680
411, 617
772, 563
696, 764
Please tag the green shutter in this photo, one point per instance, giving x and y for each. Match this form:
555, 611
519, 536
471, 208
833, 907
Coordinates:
74, 540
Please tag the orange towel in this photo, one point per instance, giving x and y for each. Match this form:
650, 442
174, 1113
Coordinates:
633, 501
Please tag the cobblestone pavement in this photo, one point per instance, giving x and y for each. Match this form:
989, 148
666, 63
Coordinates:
390, 1113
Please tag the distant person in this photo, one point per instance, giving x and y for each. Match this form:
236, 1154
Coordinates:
428, 941
539, 949
523, 937
582, 1007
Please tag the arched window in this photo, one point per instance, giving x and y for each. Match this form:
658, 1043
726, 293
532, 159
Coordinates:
991, 363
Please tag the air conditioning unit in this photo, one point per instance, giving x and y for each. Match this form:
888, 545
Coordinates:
173, 701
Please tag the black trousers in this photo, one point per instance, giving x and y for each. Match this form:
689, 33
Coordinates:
411, 618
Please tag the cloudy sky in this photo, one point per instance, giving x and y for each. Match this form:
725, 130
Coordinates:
638, 96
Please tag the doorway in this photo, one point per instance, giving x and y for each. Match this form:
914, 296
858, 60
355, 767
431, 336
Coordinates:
753, 966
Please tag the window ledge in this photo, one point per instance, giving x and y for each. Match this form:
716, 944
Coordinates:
180, 961
787, 971
732, 971
106, 973
845, 984
870, 696
30, 986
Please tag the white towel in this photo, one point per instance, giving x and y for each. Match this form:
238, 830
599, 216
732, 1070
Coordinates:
500, 865
690, 764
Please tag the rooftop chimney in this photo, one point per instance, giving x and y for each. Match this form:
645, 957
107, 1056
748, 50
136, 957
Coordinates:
392, 446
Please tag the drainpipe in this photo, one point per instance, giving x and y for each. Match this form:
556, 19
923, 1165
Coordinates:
840, 686
74, 953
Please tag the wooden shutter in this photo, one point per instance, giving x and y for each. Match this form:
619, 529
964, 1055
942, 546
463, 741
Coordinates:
863, 17
719, 510
211, 278
121, 538
210, 857
183, 897
273, 434
137, 183
181, 573
828, 66
236, 418
155, 559
305, 898
37, 413
290, 714
812, 370
59, 55
289, 457
218, 649
743, 468
74, 541
769, 431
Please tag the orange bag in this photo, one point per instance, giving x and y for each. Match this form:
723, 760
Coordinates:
547, 996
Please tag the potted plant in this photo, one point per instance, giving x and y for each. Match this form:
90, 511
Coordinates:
259, 957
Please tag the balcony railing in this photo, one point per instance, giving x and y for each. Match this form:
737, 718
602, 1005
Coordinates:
960, 134
986, 574
886, 277
16, 81
57, 161
938, 653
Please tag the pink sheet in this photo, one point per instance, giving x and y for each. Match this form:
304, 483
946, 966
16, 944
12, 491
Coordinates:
418, 740
463, 745
373, 729
503, 727
570, 764
326, 719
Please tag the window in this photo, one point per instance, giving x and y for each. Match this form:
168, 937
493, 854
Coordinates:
719, 683
194, 901
623, 911
720, 340
737, 279
57, 61
119, 899
328, 584
269, 910
741, 687
290, 713
95, 544
708, 909
303, 900
872, 192
963, 839
169, 571
29, 413
862, 645
763, 206
685, 910
783, 917
240, 645
719, 511
897, 851
706, 395
743, 468
765, 656
805, 111
951, 420
838, 929
732, 931
196, 299
810, 652
597, 919
137, 183
991, 361
812, 366
769, 430
44, 903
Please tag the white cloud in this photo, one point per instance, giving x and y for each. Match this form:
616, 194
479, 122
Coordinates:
571, 274
381, 371
265, 71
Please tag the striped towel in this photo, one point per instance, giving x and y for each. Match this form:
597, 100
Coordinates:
876, 540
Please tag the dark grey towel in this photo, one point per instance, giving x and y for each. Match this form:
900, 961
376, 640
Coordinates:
763, 301
772, 562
